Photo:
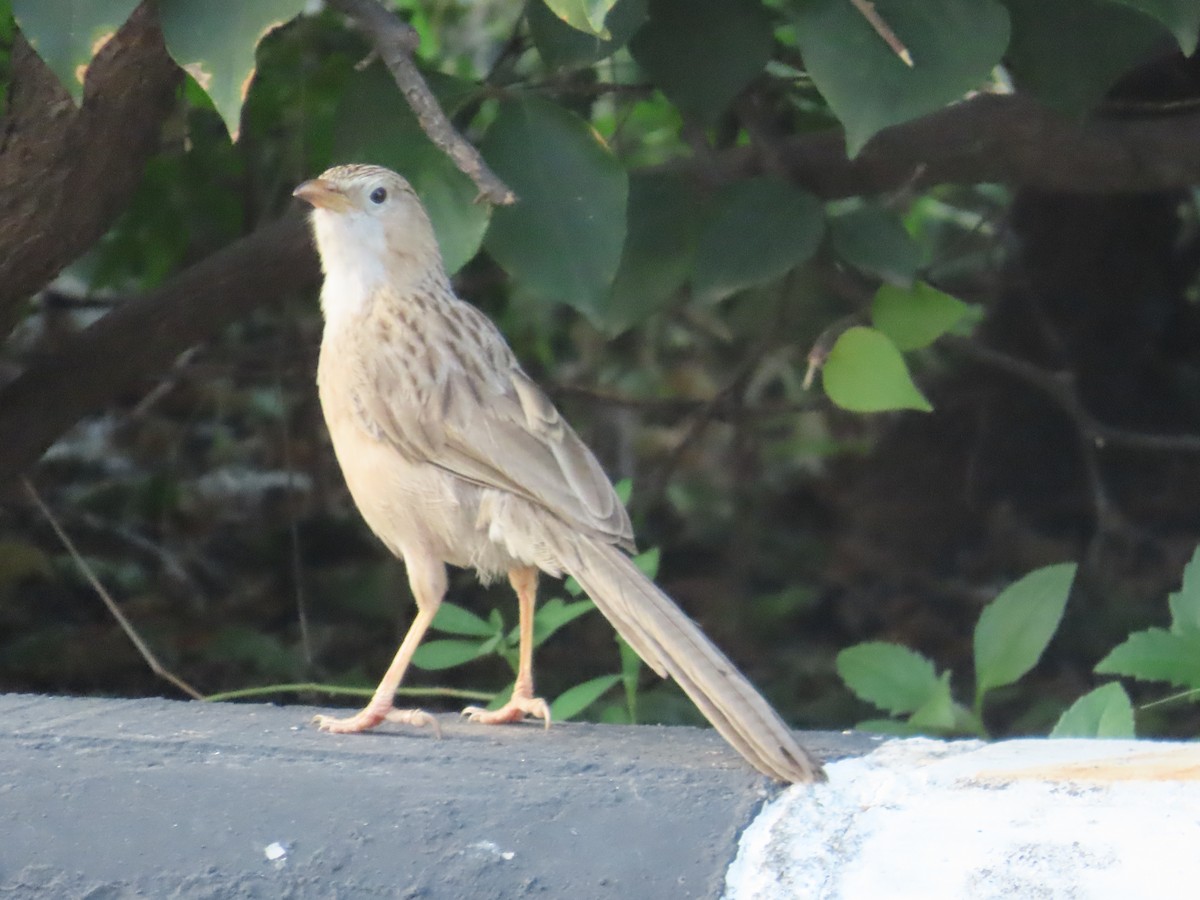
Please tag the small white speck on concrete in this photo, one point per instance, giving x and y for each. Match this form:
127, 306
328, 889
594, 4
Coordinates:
491, 850
918, 818
276, 852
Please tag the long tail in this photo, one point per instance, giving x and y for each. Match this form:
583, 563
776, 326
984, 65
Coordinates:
672, 644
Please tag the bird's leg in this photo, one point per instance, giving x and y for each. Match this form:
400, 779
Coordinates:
427, 578
522, 703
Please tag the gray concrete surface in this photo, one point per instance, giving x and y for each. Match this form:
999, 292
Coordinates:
108, 799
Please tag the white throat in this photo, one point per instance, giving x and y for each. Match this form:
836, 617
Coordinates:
354, 258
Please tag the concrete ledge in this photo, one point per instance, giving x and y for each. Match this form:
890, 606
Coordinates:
154, 798
150, 798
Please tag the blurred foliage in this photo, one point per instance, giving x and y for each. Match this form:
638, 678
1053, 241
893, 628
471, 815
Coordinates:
671, 314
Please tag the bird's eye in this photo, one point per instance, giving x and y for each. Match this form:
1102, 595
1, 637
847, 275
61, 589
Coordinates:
378, 195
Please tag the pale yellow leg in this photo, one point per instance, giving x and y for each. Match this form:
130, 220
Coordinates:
522, 703
427, 578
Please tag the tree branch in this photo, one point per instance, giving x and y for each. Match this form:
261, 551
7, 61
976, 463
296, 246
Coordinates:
139, 339
66, 173
989, 138
395, 41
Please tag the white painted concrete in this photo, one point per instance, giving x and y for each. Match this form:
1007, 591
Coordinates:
918, 818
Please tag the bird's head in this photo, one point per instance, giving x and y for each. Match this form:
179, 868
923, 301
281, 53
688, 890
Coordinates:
369, 222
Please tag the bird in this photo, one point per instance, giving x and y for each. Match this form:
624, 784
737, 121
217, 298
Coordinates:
454, 456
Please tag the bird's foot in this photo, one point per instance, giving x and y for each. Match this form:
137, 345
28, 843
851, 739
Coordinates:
368, 718
515, 710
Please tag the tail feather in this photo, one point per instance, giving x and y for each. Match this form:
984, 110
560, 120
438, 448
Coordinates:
672, 644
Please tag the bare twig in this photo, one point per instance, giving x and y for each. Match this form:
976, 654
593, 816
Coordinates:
1060, 387
396, 41
147, 654
142, 337
867, 8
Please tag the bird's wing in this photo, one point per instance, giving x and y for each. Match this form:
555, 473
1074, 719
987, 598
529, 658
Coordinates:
483, 419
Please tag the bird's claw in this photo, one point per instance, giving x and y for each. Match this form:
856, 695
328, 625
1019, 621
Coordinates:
368, 718
515, 710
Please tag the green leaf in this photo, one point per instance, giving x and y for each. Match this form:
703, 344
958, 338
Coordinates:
660, 243
1068, 53
583, 15
215, 44
437, 655
563, 47
375, 124
1102, 713
1156, 655
866, 373
1185, 605
1181, 16
938, 712
874, 240
647, 562
1015, 628
563, 239
453, 619
890, 676
757, 230
916, 317
554, 614
954, 46
703, 52
624, 490
67, 33
573, 701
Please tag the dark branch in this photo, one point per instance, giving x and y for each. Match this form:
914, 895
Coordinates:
66, 173
137, 341
395, 41
989, 138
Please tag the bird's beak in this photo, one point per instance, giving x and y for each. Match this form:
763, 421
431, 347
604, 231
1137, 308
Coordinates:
322, 195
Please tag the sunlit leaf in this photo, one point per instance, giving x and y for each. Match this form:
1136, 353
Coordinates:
583, 15
938, 712
215, 43
866, 373
68, 33
1185, 603
917, 316
453, 619
1015, 628
437, 655
890, 676
1102, 713
564, 47
554, 614
1156, 655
